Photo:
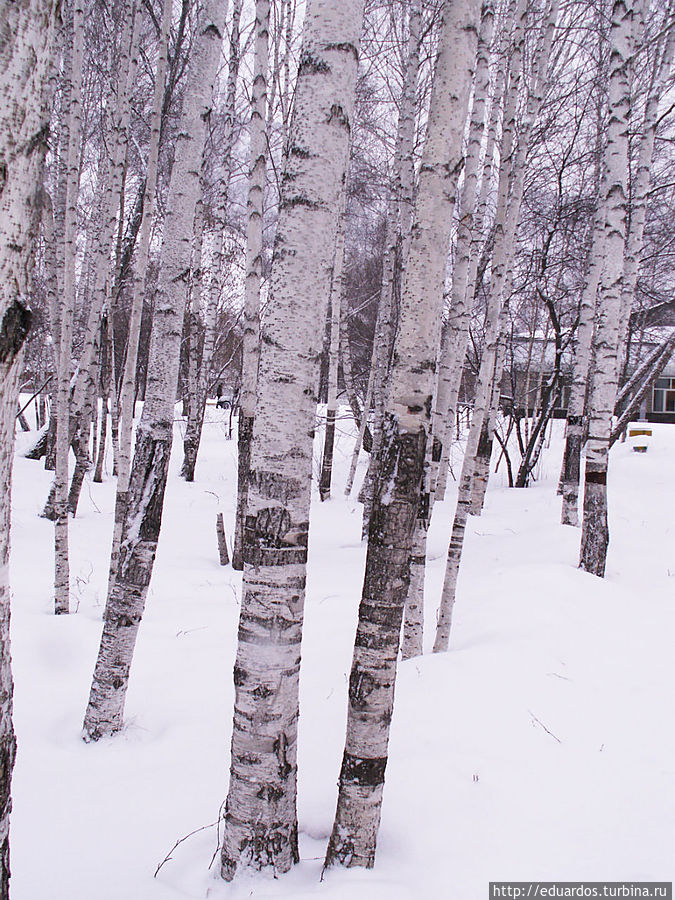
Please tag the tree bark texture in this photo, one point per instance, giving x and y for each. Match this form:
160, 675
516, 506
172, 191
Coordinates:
26, 37
128, 385
61, 561
398, 499
197, 406
337, 287
397, 239
142, 519
595, 528
254, 264
260, 827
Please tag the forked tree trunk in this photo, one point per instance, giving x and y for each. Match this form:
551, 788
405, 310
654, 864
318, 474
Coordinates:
595, 528
26, 36
398, 498
260, 829
140, 529
254, 261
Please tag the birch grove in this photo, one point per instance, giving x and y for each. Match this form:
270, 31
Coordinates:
399, 255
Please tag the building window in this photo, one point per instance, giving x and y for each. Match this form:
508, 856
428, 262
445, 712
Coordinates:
663, 399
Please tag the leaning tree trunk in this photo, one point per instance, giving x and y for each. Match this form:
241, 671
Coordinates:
254, 262
452, 352
61, 561
128, 385
595, 529
141, 525
506, 221
398, 498
260, 828
26, 35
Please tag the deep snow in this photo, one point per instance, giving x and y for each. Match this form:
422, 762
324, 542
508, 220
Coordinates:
542, 746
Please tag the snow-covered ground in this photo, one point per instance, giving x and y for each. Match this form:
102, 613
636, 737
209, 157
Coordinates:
542, 746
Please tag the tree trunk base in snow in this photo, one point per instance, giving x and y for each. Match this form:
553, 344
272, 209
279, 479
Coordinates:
595, 530
126, 599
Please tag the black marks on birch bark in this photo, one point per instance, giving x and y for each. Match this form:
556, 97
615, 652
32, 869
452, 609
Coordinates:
363, 772
14, 330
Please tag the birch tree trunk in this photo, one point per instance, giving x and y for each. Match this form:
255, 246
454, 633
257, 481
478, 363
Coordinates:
576, 421
574, 429
399, 223
254, 260
197, 407
506, 221
640, 190
112, 212
397, 500
450, 378
61, 561
128, 386
337, 288
260, 827
26, 37
142, 522
595, 529
452, 354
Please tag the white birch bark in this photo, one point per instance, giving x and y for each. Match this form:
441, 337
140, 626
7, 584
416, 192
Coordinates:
26, 37
595, 530
254, 260
512, 174
337, 287
444, 429
193, 433
61, 561
128, 384
398, 499
574, 428
453, 349
260, 827
640, 188
140, 530
397, 238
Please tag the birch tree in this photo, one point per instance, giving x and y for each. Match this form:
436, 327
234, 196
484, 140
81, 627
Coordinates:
260, 828
407, 426
26, 36
254, 260
61, 560
604, 378
142, 522
199, 388
128, 384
